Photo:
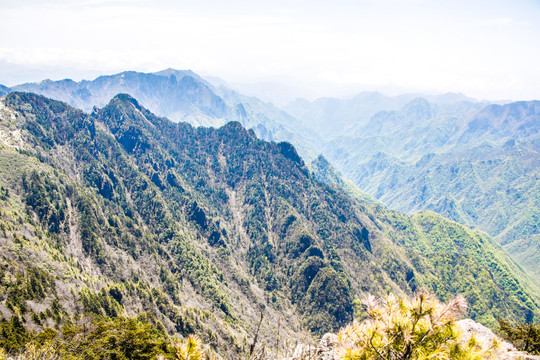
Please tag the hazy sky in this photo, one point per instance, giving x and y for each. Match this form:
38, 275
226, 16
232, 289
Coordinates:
485, 49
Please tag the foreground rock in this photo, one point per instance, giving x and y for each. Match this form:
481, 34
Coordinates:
325, 351
507, 351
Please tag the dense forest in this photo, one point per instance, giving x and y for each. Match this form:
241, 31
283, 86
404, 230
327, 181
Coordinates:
120, 219
474, 162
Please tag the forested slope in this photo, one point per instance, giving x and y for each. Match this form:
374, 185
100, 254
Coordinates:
120, 212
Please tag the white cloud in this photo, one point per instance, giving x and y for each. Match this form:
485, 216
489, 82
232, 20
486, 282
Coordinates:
413, 44
500, 21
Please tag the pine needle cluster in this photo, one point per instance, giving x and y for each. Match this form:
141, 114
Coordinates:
400, 328
191, 348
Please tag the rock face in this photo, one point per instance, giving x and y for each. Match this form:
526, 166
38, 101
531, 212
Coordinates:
325, 351
485, 335
507, 351
327, 347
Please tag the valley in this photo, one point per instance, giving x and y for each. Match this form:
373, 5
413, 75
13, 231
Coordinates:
471, 161
119, 212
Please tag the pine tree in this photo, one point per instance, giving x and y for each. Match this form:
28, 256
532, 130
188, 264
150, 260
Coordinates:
417, 328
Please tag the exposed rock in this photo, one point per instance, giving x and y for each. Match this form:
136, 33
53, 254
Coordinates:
482, 333
325, 351
304, 351
327, 346
507, 351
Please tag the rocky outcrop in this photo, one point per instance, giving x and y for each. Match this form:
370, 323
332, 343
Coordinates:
507, 351
325, 351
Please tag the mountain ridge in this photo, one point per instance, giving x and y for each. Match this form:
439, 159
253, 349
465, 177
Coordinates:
181, 95
393, 154
203, 228
472, 163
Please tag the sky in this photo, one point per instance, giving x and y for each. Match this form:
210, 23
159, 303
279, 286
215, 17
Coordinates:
484, 49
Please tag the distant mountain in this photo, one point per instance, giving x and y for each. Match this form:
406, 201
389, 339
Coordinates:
205, 230
518, 121
178, 94
379, 142
4, 90
328, 174
181, 96
475, 164
334, 117
417, 128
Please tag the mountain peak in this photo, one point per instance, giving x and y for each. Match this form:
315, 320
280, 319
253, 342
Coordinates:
127, 105
325, 172
419, 108
233, 126
288, 150
178, 74
126, 98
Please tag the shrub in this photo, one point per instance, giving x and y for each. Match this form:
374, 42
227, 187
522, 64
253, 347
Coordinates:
417, 328
191, 349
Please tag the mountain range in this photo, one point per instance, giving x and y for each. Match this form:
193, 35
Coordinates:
180, 96
472, 161
207, 230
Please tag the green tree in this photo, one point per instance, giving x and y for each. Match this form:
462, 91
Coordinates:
525, 337
97, 339
13, 334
